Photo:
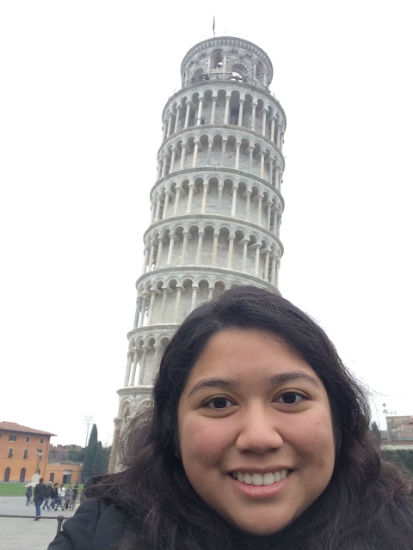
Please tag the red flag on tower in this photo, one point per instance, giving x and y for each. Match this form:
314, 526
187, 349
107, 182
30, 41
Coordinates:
213, 25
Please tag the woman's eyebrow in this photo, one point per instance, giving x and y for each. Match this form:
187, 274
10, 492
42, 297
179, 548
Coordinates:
214, 383
292, 376
275, 380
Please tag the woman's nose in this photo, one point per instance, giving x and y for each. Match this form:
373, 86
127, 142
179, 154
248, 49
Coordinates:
259, 430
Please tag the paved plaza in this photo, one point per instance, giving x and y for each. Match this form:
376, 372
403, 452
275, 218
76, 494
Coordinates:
25, 533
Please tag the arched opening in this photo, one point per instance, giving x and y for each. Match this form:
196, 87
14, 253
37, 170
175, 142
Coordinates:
7, 474
22, 477
216, 59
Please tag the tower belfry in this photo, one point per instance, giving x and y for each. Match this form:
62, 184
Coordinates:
216, 204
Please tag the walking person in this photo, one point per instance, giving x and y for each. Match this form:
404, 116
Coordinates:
54, 497
48, 499
40, 492
61, 497
29, 492
69, 498
75, 491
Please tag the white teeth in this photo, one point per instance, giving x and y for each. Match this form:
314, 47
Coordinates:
258, 479
269, 478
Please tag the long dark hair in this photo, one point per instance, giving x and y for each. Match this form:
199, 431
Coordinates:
355, 509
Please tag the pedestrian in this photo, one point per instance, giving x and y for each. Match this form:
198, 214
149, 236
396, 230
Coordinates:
61, 497
29, 491
75, 491
40, 492
68, 498
258, 438
54, 497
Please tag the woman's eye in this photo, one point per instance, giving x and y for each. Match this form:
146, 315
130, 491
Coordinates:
290, 398
218, 403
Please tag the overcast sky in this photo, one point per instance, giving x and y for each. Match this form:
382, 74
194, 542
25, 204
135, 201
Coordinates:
83, 85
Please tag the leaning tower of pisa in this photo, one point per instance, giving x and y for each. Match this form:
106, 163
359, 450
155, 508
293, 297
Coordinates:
216, 203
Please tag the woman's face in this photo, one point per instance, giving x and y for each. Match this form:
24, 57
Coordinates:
255, 430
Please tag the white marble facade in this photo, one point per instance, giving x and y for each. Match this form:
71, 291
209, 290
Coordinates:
216, 204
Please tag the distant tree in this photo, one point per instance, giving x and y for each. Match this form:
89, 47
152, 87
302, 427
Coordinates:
76, 456
95, 462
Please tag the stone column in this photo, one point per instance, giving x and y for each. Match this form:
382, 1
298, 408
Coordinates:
240, 112
190, 195
267, 263
177, 197
204, 197
199, 247
270, 171
184, 245
160, 251
215, 248
214, 103
228, 99
142, 313
199, 115
230, 250
274, 267
195, 154
268, 214
188, 110
172, 165
209, 153
152, 249
177, 303
171, 249
168, 132
164, 295
272, 129
224, 144
264, 121
157, 356
183, 153
260, 196
142, 365
250, 151
253, 117
194, 294
248, 205
166, 204
238, 147
257, 247
178, 110
262, 164
277, 176
244, 254
145, 260
151, 305
158, 207
127, 370
234, 199
135, 363
136, 319
220, 188
164, 161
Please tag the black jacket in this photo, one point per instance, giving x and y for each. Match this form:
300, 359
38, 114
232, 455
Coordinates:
40, 491
95, 526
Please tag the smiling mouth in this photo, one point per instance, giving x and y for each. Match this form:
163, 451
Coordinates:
257, 479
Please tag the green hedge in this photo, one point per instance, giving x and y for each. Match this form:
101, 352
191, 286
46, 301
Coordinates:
402, 458
19, 489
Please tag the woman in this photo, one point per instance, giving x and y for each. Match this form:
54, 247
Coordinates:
259, 438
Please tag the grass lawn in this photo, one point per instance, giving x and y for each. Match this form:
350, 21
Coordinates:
19, 489
12, 489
